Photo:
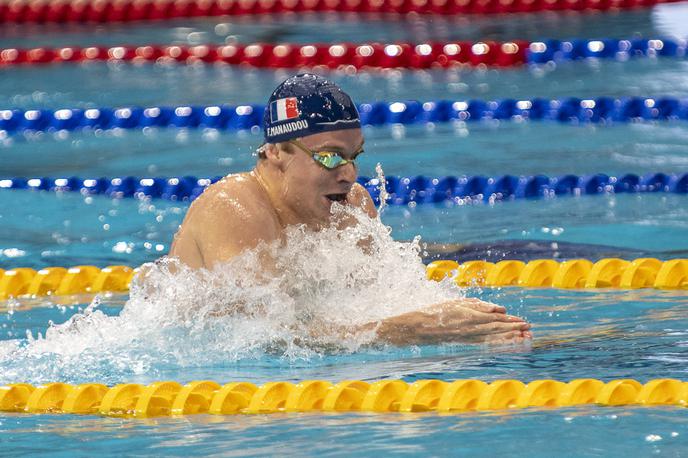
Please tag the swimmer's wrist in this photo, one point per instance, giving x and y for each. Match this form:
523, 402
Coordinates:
396, 330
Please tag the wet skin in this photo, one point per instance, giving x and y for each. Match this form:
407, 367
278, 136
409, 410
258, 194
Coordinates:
287, 187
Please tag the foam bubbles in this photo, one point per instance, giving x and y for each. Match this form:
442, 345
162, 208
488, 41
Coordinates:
294, 299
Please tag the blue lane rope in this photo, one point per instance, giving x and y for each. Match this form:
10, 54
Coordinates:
226, 117
540, 52
402, 190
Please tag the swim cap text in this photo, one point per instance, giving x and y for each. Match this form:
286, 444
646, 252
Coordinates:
287, 128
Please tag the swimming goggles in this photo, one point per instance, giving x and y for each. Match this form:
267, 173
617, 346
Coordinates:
328, 159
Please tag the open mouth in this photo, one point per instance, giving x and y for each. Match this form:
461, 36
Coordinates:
336, 197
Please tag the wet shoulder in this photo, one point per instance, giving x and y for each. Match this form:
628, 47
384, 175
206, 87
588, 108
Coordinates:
234, 186
237, 198
359, 197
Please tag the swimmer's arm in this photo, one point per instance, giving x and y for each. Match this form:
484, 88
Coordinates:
185, 248
463, 320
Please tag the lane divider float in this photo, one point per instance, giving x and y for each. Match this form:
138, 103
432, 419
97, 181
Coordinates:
573, 273
76, 11
169, 398
572, 110
361, 56
402, 190
287, 55
539, 273
61, 281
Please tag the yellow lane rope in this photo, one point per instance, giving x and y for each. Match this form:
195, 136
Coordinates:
60, 281
539, 273
168, 398
574, 273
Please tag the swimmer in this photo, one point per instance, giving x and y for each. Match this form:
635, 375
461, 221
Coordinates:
307, 163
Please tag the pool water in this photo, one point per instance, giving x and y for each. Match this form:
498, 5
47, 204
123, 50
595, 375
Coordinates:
609, 335
604, 334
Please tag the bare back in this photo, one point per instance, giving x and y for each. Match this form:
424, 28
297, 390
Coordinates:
231, 216
236, 214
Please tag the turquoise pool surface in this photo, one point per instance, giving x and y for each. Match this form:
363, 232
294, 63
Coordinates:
603, 334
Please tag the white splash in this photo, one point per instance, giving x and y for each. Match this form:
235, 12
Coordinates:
384, 195
298, 299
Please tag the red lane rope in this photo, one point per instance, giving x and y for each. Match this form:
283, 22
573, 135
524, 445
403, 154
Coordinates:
334, 56
74, 11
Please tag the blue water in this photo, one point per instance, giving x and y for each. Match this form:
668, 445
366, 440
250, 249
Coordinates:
302, 434
601, 334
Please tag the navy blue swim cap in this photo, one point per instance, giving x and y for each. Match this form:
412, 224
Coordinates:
307, 104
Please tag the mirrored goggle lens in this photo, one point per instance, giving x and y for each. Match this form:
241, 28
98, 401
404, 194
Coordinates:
330, 160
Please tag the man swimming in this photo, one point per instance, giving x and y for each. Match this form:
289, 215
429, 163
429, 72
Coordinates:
312, 139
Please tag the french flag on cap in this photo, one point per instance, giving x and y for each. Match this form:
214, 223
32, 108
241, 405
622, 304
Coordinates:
283, 109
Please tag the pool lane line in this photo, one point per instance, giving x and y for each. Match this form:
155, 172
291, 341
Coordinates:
570, 274
361, 56
112, 11
64, 281
539, 273
573, 110
169, 398
409, 191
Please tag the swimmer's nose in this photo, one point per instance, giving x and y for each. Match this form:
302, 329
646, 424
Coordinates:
347, 173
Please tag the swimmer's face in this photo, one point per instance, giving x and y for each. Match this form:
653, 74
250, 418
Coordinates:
309, 189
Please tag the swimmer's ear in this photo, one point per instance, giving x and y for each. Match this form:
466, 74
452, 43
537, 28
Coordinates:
276, 153
269, 151
263, 149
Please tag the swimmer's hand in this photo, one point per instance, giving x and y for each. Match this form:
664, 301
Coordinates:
462, 320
